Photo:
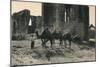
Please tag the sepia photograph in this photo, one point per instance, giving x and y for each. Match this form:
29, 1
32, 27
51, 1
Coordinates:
52, 33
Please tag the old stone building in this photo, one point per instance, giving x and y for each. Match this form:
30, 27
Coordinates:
23, 23
61, 17
67, 18
92, 31
20, 21
36, 24
32, 26
39, 24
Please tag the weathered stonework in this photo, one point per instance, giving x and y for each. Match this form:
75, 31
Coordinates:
76, 19
61, 17
20, 23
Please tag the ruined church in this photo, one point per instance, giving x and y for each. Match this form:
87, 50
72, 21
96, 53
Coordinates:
61, 17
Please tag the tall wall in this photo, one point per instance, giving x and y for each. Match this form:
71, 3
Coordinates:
77, 18
52, 14
85, 18
20, 21
62, 17
32, 27
36, 24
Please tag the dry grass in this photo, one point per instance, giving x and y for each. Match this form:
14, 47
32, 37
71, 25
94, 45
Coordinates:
22, 54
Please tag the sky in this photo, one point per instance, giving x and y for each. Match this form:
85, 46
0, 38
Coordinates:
36, 9
92, 15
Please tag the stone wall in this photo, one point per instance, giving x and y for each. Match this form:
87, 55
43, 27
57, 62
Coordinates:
61, 17
20, 21
76, 19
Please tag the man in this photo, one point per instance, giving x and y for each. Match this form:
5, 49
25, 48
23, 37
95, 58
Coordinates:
47, 37
69, 39
46, 34
67, 36
32, 42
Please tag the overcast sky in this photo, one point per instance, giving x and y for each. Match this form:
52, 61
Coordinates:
92, 14
36, 9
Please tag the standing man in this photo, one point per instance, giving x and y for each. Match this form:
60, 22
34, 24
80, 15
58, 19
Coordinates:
69, 38
32, 42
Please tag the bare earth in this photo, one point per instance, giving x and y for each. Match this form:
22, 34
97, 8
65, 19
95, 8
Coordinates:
22, 54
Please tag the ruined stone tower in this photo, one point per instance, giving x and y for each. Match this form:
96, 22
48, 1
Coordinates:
66, 18
53, 15
20, 21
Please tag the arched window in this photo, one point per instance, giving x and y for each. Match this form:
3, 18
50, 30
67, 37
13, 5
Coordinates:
30, 23
65, 16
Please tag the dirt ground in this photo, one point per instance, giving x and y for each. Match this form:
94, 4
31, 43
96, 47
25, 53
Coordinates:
22, 54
